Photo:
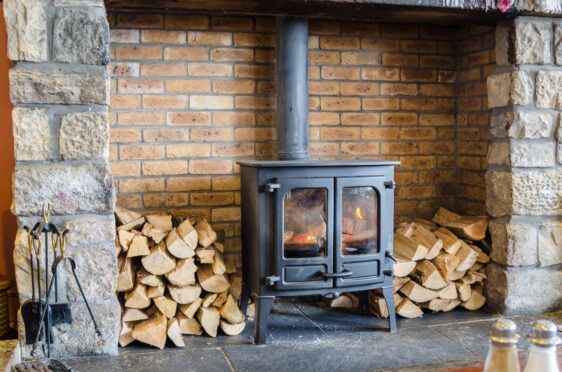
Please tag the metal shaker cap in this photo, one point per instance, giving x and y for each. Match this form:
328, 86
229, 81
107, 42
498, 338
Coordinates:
544, 333
504, 331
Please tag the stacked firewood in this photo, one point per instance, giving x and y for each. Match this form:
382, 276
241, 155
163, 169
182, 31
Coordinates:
439, 265
173, 280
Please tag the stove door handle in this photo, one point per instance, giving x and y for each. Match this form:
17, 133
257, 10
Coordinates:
344, 274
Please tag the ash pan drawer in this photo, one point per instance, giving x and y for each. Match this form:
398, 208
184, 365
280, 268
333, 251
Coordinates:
363, 269
304, 273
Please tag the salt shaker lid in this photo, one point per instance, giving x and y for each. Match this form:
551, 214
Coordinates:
544, 333
504, 331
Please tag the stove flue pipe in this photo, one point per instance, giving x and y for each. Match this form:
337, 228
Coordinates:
291, 78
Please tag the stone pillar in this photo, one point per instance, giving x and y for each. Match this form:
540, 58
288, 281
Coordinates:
60, 90
524, 178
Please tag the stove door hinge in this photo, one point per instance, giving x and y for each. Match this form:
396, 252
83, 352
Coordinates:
271, 187
389, 184
271, 280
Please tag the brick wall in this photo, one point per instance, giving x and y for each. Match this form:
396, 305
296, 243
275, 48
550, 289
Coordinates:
476, 61
192, 94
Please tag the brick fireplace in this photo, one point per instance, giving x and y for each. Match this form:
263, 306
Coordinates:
155, 108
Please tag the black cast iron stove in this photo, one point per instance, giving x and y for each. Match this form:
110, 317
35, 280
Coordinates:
311, 227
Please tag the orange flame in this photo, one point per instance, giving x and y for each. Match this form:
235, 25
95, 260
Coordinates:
358, 213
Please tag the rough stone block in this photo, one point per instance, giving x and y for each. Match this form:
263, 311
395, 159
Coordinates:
533, 153
500, 123
58, 85
26, 24
533, 42
542, 6
558, 43
81, 36
513, 243
84, 135
504, 45
71, 188
550, 243
559, 152
32, 134
498, 153
69, 3
520, 290
510, 88
549, 94
499, 192
532, 124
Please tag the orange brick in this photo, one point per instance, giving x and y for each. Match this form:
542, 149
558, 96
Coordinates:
265, 24
124, 36
230, 150
360, 148
226, 183
210, 166
380, 73
126, 102
360, 118
186, 21
125, 135
403, 178
265, 87
324, 149
125, 168
384, 45
264, 56
164, 200
416, 192
359, 88
232, 23
164, 102
233, 86
437, 61
437, 147
396, 89
399, 30
139, 20
163, 37
321, 27
129, 201
399, 118
255, 134
188, 183
416, 74
165, 135
265, 149
399, 148
417, 133
381, 103
341, 73
212, 198
339, 43
211, 102
362, 58
199, 38
188, 150
396, 59
380, 133
141, 185
420, 104
254, 40
446, 133
322, 57
323, 118
418, 46
163, 168
340, 104
189, 118
265, 118
141, 118
138, 52
340, 133
437, 90
417, 162
360, 29
186, 54
234, 118
231, 54
254, 71
254, 102
209, 69
124, 69
141, 152
437, 119
140, 86
323, 87
163, 69
225, 214
188, 86
212, 134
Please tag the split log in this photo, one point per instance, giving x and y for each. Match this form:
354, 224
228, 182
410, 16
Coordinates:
126, 276
133, 315
137, 298
464, 291
135, 224
345, 301
451, 243
188, 234
209, 318
424, 237
448, 293
408, 309
206, 256
189, 326
125, 216
158, 262
174, 333
403, 267
427, 275
126, 334
235, 286
467, 227
211, 282
205, 233
482, 257
377, 304
408, 248
219, 246
153, 292
452, 305
456, 275
183, 274
138, 247
148, 279
230, 263
125, 239
230, 311
427, 224
397, 283
177, 246
221, 299
189, 310
218, 264
445, 263
439, 304
185, 295
152, 331
417, 293
475, 302
156, 234
477, 266
209, 299
161, 222
166, 305
232, 329
467, 257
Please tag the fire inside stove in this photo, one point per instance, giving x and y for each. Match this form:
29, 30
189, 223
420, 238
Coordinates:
305, 217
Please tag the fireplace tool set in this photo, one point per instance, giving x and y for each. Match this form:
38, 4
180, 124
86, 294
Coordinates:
38, 313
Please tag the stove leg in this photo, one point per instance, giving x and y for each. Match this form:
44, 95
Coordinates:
244, 299
389, 299
263, 308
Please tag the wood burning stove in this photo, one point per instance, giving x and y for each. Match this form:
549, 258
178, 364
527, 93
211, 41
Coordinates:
315, 228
